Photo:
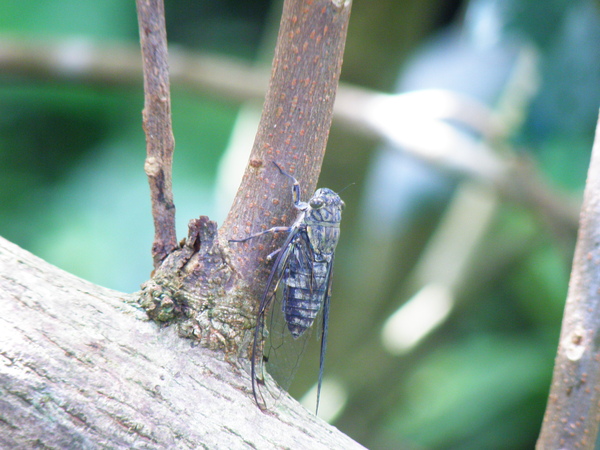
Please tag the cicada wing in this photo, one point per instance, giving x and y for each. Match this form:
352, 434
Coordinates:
324, 330
258, 356
283, 353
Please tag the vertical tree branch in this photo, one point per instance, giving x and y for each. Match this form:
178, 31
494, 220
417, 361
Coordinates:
573, 412
295, 122
157, 125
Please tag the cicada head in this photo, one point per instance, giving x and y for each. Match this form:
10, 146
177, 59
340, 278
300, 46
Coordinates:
325, 207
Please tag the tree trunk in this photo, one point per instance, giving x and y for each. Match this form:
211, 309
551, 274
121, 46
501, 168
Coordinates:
81, 366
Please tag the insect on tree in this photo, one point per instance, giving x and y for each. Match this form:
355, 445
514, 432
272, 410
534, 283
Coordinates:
303, 267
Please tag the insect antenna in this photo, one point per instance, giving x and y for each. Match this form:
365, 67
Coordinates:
347, 186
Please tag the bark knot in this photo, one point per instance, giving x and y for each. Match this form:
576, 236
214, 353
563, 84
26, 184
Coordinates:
193, 289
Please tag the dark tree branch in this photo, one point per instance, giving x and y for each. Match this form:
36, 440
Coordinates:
573, 411
295, 123
205, 289
201, 287
157, 125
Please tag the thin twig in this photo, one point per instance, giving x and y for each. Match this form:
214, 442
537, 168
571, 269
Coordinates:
573, 411
157, 125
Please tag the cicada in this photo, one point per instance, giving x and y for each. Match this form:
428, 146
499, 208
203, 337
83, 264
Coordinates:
303, 267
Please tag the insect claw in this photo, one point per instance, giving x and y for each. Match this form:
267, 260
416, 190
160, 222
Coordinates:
280, 169
272, 254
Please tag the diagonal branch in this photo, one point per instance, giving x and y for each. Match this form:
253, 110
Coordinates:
573, 411
82, 367
157, 125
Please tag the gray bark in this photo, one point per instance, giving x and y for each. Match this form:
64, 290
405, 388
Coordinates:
81, 366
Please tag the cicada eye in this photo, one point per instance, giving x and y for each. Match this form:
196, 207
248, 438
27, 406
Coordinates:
316, 203
342, 205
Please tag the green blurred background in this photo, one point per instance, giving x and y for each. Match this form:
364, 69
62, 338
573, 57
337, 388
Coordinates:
494, 271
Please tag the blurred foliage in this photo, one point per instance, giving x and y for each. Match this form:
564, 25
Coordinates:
73, 191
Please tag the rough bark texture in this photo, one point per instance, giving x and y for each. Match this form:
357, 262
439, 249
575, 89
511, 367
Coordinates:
193, 290
573, 411
82, 367
160, 142
294, 126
